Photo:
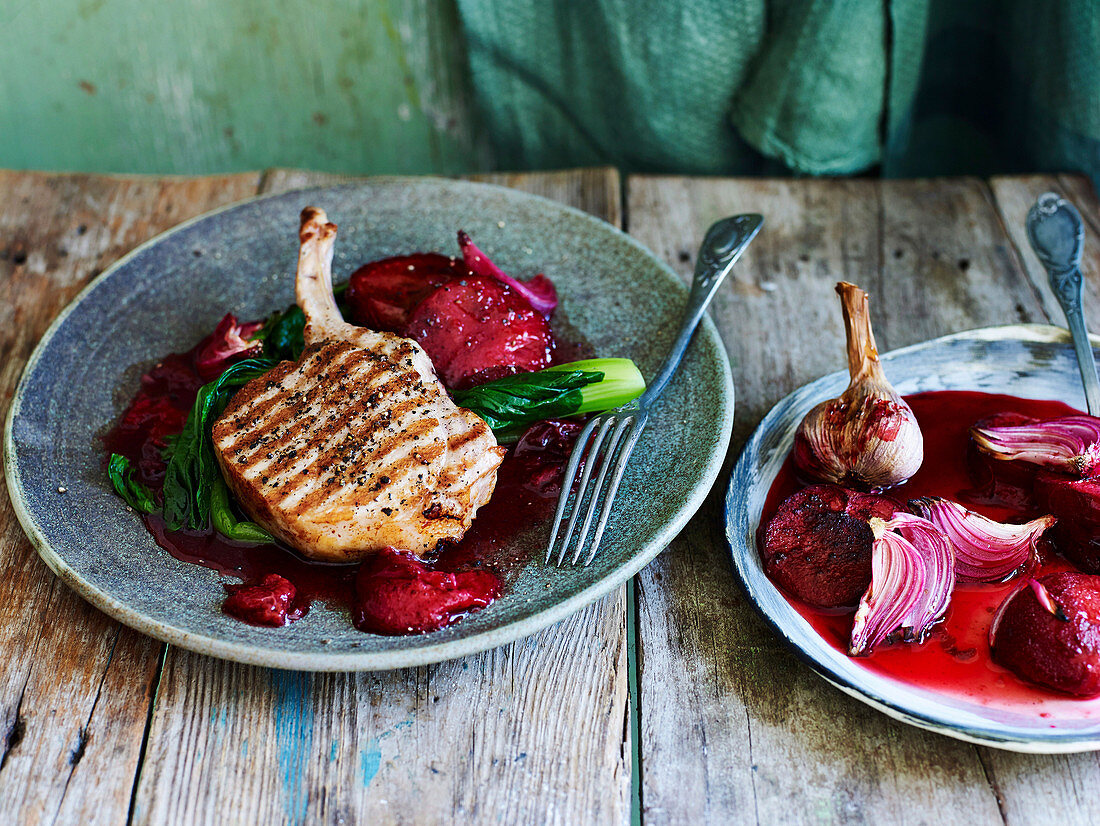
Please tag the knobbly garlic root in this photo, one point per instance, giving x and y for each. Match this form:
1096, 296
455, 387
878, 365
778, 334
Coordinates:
868, 438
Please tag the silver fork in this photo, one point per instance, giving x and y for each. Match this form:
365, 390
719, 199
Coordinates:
722, 246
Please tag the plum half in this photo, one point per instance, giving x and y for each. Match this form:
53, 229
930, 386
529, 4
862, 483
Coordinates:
818, 544
1049, 633
1076, 503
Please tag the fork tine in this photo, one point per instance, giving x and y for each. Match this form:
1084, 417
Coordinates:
567, 482
606, 460
582, 489
613, 488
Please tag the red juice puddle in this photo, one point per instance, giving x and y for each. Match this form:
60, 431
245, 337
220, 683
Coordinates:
333, 584
954, 658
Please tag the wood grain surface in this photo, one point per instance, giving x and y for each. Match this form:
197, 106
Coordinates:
735, 729
101, 725
75, 686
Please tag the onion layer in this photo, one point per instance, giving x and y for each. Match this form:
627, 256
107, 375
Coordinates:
985, 550
1070, 443
539, 291
912, 573
228, 343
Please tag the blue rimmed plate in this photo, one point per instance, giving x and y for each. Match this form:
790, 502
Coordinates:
168, 293
1031, 361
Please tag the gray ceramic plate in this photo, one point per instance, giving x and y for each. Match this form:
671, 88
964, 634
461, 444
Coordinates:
167, 294
1032, 361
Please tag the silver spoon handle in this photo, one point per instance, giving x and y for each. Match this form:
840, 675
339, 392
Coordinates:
1057, 234
722, 246
1068, 287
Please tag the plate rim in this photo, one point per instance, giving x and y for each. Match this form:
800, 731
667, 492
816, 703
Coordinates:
249, 654
735, 507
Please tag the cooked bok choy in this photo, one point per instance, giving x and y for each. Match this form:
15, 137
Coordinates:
513, 403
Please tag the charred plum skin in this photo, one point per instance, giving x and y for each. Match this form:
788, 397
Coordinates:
477, 329
1034, 644
818, 544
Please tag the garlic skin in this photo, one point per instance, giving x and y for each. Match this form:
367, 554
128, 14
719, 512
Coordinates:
912, 574
985, 550
868, 438
1070, 443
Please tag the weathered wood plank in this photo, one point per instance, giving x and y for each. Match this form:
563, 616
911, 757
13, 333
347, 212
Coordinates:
1014, 196
532, 732
593, 189
75, 686
733, 728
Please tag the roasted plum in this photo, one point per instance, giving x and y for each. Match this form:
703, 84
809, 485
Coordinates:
818, 544
381, 294
398, 594
1076, 504
268, 602
157, 413
478, 329
1048, 632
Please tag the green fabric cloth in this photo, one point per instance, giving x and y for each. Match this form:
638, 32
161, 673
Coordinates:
810, 86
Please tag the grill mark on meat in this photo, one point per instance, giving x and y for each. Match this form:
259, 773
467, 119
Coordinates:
332, 439
263, 406
325, 492
458, 441
280, 426
466, 477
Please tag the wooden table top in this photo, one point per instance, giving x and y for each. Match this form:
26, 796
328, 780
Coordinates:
669, 699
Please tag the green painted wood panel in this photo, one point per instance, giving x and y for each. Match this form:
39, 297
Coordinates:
202, 86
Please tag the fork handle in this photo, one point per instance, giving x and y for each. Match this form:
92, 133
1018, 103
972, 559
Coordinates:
722, 246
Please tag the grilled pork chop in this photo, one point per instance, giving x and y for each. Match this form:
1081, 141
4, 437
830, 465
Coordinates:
356, 446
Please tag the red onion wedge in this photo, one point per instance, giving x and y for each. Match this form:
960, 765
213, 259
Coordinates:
227, 344
1069, 443
912, 573
985, 551
539, 291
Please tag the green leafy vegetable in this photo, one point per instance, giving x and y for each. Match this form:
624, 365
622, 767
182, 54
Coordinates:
193, 470
621, 384
282, 335
195, 494
137, 496
225, 520
511, 404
